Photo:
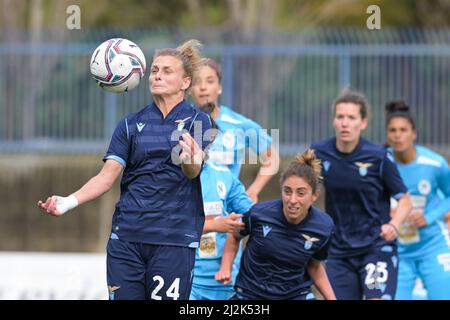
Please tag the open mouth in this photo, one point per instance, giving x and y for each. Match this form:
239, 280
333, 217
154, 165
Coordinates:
293, 209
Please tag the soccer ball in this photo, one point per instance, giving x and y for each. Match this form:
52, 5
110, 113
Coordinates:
118, 65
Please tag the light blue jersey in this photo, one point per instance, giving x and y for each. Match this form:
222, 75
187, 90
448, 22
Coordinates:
223, 193
425, 252
237, 133
424, 177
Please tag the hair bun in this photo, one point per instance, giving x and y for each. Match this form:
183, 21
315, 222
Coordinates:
397, 106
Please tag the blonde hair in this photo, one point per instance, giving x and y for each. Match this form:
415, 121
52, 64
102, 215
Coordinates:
307, 166
188, 53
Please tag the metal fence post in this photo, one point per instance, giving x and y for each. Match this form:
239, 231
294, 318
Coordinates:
110, 109
228, 79
344, 71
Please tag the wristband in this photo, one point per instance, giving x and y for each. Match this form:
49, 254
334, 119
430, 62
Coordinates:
64, 204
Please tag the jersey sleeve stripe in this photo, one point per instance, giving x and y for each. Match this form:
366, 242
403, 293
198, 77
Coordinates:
118, 159
398, 195
126, 126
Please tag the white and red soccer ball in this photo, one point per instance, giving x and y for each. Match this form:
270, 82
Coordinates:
118, 65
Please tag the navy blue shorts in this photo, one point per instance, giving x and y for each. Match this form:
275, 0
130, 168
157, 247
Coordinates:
372, 275
139, 271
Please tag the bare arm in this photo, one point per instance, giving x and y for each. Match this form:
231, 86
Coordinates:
229, 253
269, 167
93, 189
317, 272
389, 231
223, 224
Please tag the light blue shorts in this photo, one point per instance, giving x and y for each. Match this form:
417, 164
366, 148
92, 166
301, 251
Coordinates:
200, 292
434, 271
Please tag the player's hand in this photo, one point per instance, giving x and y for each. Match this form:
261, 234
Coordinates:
57, 206
190, 151
417, 218
223, 276
389, 232
229, 223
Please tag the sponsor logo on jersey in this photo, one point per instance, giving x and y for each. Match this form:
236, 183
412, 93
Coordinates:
140, 126
266, 230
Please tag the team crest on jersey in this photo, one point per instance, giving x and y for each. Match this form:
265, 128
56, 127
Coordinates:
221, 189
181, 123
111, 290
228, 139
363, 167
326, 165
424, 187
309, 241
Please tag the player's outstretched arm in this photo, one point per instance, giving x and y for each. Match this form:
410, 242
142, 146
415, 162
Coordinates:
229, 253
94, 188
317, 272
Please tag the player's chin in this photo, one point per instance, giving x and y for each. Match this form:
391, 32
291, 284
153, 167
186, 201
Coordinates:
294, 216
158, 91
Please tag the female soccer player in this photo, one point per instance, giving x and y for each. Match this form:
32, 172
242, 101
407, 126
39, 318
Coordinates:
288, 239
159, 217
424, 242
224, 201
224, 198
359, 178
237, 132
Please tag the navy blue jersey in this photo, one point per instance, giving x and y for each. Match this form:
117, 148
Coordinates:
358, 188
273, 265
158, 204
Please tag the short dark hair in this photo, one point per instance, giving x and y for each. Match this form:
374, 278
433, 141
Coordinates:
358, 98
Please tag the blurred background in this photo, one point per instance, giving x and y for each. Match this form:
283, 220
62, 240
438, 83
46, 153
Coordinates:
283, 64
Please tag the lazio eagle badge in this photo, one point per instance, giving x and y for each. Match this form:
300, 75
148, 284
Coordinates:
363, 167
181, 123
